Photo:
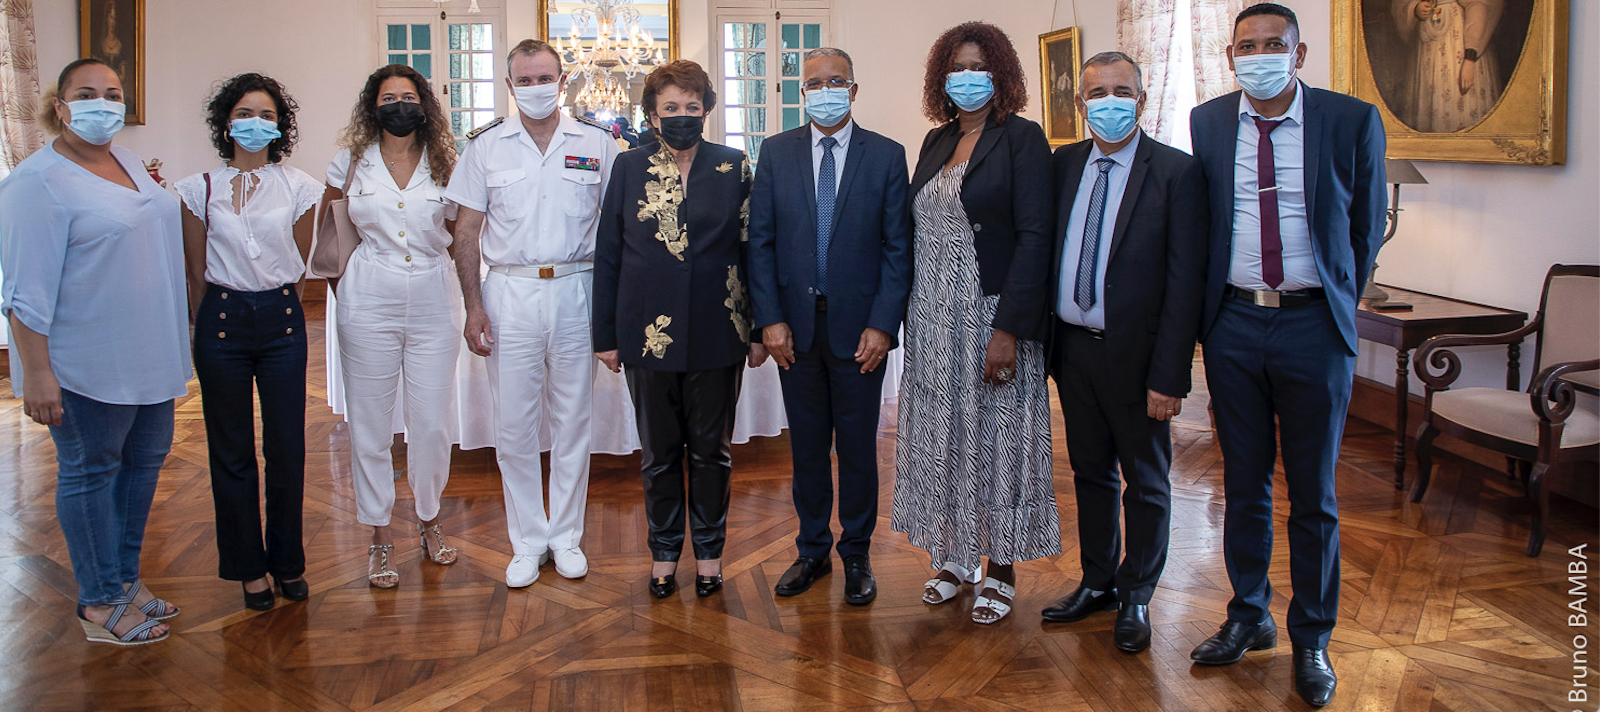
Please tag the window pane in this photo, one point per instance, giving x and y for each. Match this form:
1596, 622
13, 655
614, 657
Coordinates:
747, 64
813, 36
423, 63
458, 37
792, 119
483, 95
791, 64
744, 120
791, 36
458, 66
458, 94
791, 91
753, 147
421, 37
458, 123
480, 118
745, 91
482, 66
744, 35
397, 59
482, 39
397, 36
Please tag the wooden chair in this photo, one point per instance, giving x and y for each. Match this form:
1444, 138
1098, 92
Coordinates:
1543, 428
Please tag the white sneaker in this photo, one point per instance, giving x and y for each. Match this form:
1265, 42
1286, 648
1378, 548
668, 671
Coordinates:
571, 563
524, 570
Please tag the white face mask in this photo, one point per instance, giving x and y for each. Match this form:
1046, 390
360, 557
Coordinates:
538, 102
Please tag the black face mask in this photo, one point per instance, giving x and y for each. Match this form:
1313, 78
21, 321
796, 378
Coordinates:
681, 132
401, 117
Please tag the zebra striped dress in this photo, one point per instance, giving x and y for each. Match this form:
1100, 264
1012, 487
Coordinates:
972, 461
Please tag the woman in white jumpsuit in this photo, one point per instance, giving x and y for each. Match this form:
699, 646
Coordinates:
398, 304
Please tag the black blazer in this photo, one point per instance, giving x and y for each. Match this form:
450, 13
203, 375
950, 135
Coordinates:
1156, 271
869, 256
1006, 193
674, 300
1346, 200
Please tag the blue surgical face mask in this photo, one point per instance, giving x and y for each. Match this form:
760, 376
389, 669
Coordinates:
969, 90
1264, 76
1112, 118
254, 133
828, 106
96, 120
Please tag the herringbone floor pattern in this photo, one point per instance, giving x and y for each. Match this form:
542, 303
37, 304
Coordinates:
1440, 609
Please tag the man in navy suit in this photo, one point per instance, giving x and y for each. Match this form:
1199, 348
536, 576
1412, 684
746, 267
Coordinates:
1297, 214
830, 272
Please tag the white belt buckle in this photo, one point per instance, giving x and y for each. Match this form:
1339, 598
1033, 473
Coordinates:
547, 273
1268, 299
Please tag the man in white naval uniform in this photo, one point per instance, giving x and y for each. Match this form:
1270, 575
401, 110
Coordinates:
532, 187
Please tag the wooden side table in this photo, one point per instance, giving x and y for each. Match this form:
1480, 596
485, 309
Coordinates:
1430, 315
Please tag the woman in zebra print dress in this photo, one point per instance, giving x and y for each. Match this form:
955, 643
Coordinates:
972, 457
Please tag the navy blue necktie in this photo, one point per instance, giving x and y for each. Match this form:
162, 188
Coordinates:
1089, 255
825, 197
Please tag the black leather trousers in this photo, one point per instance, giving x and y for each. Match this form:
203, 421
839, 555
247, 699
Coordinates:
689, 414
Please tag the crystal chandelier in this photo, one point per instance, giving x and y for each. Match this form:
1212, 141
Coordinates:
620, 46
471, 8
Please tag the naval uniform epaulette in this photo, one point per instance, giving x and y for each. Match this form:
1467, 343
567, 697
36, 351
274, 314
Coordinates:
477, 131
594, 123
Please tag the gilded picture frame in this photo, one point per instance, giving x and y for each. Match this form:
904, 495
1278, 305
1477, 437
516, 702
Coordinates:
112, 31
1060, 55
1443, 100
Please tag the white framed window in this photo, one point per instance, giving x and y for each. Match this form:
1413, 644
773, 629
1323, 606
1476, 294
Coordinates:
462, 54
756, 68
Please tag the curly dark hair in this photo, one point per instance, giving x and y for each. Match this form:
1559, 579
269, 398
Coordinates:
434, 134
999, 58
683, 74
219, 109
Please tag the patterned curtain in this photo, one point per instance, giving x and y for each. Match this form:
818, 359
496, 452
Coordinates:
19, 84
1145, 31
1212, 25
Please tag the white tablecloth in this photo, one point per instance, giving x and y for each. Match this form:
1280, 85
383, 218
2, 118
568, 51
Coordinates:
760, 411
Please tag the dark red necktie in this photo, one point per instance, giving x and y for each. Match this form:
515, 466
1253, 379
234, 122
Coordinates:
1267, 182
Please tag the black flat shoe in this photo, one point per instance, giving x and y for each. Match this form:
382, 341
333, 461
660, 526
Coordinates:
801, 574
1078, 605
1132, 634
663, 586
859, 585
297, 590
1230, 644
707, 585
260, 601
1313, 675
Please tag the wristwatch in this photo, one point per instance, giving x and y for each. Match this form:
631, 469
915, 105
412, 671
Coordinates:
1470, 55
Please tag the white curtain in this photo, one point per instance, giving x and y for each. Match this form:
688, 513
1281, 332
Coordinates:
1146, 30
19, 84
1211, 26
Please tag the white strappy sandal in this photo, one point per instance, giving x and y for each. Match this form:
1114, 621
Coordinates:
384, 577
947, 583
991, 609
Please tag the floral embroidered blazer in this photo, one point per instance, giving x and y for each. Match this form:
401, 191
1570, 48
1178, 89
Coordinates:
670, 265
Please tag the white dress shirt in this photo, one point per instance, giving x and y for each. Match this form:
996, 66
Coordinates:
402, 227
541, 208
1116, 185
98, 269
252, 250
1294, 230
843, 137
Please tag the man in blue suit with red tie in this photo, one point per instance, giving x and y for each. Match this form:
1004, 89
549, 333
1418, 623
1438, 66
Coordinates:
1297, 214
830, 273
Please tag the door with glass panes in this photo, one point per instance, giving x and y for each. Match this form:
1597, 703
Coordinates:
759, 66
460, 56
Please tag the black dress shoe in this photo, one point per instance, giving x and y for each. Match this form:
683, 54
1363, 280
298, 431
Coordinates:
801, 574
859, 585
1078, 605
1132, 634
1229, 644
1313, 675
260, 600
707, 585
663, 586
294, 590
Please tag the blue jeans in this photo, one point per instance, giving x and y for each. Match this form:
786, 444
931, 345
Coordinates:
109, 458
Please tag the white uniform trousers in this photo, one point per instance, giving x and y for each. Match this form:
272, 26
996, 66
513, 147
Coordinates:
398, 318
541, 366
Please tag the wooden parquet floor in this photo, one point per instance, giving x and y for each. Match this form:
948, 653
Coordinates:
1440, 609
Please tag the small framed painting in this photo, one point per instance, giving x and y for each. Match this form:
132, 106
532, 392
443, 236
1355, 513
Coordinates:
112, 31
1059, 57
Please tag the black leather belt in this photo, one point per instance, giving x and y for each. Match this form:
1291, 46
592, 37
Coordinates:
1087, 331
822, 302
1276, 300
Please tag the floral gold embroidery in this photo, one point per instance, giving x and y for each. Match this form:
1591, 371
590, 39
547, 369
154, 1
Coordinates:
662, 198
725, 167
744, 210
738, 302
656, 339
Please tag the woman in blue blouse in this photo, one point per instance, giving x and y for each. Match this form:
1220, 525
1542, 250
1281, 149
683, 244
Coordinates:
92, 254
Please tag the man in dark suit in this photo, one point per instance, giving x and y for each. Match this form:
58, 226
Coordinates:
830, 272
1297, 214
1129, 270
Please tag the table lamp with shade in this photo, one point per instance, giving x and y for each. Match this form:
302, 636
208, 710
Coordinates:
1400, 172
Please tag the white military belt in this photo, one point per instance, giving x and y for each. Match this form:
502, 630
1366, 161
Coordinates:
543, 271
